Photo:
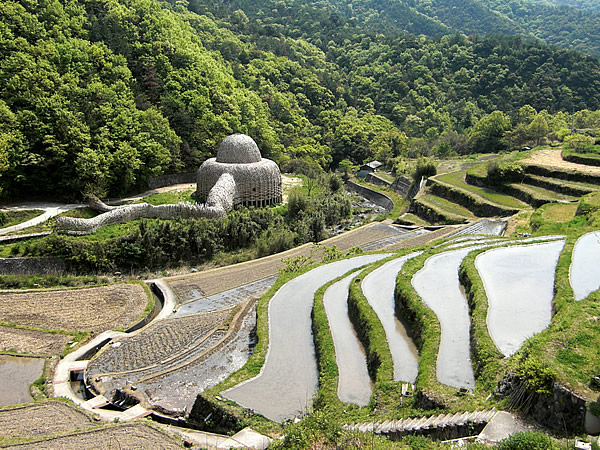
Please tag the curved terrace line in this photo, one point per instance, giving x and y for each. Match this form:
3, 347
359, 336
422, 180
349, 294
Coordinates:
290, 367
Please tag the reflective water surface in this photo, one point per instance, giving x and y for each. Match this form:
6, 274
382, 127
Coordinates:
519, 283
16, 375
585, 265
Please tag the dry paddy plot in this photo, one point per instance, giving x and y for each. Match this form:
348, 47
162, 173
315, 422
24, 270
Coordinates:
91, 309
41, 419
32, 341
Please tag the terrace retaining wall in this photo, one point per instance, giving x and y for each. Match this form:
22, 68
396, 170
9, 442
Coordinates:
563, 410
31, 266
376, 197
173, 178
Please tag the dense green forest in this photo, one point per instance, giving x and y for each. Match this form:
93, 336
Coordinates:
99, 95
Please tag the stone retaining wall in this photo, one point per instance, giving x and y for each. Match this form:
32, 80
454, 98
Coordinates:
479, 207
31, 266
376, 197
173, 178
376, 179
563, 410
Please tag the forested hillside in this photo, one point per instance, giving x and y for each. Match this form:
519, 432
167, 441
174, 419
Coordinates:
98, 96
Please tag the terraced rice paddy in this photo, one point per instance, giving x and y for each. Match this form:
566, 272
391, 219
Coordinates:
354, 385
290, 368
16, 374
438, 285
519, 283
585, 265
378, 288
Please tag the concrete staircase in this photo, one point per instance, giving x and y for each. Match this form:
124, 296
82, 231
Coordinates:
443, 426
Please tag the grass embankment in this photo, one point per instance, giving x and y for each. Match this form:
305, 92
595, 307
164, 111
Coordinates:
439, 210
458, 179
20, 216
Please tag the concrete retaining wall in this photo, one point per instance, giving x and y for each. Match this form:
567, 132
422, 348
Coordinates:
376, 197
31, 266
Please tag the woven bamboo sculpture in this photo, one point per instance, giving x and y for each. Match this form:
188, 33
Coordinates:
237, 176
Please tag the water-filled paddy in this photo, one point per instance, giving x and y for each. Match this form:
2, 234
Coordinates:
354, 384
585, 265
519, 283
16, 375
438, 285
378, 288
288, 379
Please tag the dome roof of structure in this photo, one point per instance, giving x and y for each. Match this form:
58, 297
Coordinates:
238, 149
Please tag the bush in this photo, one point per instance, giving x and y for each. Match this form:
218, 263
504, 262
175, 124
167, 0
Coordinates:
499, 173
527, 441
297, 202
425, 168
3, 218
275, 240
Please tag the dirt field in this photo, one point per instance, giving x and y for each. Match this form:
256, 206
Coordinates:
217, 280
91, 309
29, 341
42, 419
131, 436
553, 158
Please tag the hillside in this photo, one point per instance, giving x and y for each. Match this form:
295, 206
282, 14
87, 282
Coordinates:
97, 97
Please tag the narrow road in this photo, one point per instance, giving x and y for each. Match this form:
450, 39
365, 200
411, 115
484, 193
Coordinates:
50, 210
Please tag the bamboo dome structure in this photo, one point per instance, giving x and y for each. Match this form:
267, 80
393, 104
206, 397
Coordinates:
257, 179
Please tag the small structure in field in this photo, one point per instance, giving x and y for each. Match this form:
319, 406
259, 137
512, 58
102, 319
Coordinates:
257, 179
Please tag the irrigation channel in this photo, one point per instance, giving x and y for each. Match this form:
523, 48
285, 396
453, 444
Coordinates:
290, 368
519, 283
447, 300
354, 385
585, 265
378, 287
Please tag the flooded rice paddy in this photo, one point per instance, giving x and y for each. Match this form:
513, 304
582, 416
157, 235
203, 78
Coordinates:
16, 375
519, 283
378, 288
354, 385
438, 285
585, 265
290, 367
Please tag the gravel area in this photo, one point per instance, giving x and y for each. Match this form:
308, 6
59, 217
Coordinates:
41, 419
29, 341
134, 436
91, 309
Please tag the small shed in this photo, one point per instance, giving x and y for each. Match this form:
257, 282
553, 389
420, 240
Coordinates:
371, 167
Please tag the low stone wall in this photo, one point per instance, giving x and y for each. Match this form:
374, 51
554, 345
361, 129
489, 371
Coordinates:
31, 266
376, 197
563, 410
475, 205
557, 186
174, 178
569, 175
582, 159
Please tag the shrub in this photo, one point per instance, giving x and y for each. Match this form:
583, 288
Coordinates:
503, 172
535, 440
425, 168
297, 202
3, 218
275, 240
538, 377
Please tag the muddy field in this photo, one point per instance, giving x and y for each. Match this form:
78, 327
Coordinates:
210, 282
119, 436
29, 341
90, 309
553, 158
